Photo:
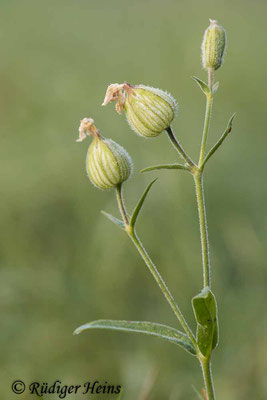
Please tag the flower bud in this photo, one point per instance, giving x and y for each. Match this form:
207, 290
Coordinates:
213, 46
149, 111
107, 163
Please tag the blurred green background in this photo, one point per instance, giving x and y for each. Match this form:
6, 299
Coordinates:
62, 262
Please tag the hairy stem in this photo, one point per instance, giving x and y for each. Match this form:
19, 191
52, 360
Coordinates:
207, 376
198, 178
209, 103
152, 268
162, 285
121, 204
210, 77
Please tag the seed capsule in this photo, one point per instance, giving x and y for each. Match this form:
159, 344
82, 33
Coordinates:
149, 111
107, 164
213, 46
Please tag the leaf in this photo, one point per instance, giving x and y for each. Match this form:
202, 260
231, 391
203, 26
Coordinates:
230, 123
215, 87
205, 310
114, 219
221, 140
140, 204
148, 328
165, 166
203, 86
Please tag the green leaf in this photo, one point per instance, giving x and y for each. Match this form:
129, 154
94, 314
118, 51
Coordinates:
230, 123
205, 310
203, 86
114, 219
215, 87
148, 328
221, 140
140, 204
165, 166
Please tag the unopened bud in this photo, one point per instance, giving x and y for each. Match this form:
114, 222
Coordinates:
213, 46
149, 111
107, 163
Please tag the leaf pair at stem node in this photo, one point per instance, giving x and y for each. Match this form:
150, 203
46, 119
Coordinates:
132, 220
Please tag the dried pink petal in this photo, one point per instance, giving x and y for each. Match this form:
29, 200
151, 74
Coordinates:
87, 128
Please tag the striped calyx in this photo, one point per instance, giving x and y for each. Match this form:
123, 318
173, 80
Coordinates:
107, 163
213, 46
149, 111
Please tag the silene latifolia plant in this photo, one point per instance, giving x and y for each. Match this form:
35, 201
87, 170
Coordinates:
149, 113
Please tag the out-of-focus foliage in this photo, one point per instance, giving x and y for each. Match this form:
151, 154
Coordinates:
62, 262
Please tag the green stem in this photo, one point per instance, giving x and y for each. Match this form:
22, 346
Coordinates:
152, 268
121, 204
198, 178
207, 376
162, 285
178, 147
209, 103
210, 77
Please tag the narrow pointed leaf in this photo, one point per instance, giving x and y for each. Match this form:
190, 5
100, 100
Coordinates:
205, 310
215, 87
230, 123
221, 140
165, 166
148, 328
203, 86
114, 219
140, 204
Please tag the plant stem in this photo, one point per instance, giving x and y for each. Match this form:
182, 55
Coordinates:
162, 285
198, 178
207, 376
210, 77
178, 147
121, 204
152, 268
209, 103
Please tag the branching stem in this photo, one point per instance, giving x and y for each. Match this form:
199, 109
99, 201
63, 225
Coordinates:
197, 172
153, 269
198, 178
